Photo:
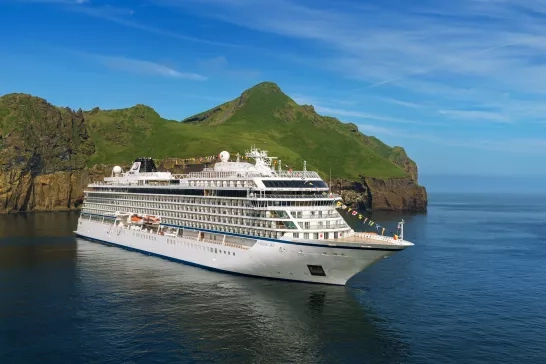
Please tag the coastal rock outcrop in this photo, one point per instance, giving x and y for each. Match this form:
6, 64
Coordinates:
382, 194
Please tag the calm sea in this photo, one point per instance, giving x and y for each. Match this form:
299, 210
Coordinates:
472, 290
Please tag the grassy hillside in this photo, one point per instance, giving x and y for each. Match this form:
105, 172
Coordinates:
262, 115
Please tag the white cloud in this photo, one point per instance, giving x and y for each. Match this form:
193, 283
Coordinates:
511, 145
407, 104
477, 115
362, 115
123, 16
369, 129
65, 2
219, 65
344, 113
471, 51
145, 67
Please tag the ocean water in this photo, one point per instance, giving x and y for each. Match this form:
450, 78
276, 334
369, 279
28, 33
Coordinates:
472, 290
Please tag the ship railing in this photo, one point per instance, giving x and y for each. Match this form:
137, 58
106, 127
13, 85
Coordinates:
247, 174
327, 196
197, 238
167, 176
365, 237
168, 186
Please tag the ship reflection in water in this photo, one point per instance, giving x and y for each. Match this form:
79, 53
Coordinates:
193, 313
70, 300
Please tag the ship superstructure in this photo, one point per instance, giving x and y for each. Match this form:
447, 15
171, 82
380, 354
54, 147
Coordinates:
236, 217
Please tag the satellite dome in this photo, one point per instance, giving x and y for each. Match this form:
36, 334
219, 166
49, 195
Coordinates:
224, 156
117, 170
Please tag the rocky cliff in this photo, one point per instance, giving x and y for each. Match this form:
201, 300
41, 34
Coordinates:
49, 154
382, 194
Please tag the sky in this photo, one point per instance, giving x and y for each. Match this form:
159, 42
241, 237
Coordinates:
460, 85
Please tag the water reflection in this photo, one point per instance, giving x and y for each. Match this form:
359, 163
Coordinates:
45, 224
213, 315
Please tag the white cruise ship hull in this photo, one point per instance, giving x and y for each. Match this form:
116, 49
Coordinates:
266, 258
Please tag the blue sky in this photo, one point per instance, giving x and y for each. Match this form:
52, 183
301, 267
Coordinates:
460, 85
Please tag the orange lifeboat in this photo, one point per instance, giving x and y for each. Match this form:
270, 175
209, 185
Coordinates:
136, 219
150, 219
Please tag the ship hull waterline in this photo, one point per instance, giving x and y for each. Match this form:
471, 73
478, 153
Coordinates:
266, 259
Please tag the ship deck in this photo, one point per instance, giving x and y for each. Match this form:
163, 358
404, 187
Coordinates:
371, 238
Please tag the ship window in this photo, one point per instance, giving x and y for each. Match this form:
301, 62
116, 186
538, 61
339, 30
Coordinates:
316, 270
294, 184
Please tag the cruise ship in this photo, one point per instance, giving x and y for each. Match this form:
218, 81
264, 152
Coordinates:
239, 217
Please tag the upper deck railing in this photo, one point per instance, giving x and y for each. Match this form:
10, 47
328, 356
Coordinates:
247, 174
126, 179
295, 196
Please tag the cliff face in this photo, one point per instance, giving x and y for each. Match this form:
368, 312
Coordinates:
391, 194
43, 151
49, 154
22, 191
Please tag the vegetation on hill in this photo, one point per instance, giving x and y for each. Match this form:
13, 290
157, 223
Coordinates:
263, 116
36, 136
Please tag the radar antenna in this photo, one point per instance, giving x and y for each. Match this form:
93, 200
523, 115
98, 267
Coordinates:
263, 161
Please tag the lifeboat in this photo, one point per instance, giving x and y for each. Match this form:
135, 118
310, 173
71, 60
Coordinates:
150, 219
136, 219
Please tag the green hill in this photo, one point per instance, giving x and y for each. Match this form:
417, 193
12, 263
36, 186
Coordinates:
62, 139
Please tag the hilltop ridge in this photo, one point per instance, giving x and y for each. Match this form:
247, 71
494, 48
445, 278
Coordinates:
39, 139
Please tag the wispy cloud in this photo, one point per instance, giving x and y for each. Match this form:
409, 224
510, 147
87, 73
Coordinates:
362, 115
219, 65
125, 17
477, 115
73, 2
369, 129
408, 104
346, 113
471, 51
510, 145
145, 67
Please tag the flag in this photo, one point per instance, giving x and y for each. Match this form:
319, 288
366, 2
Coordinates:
354, 213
